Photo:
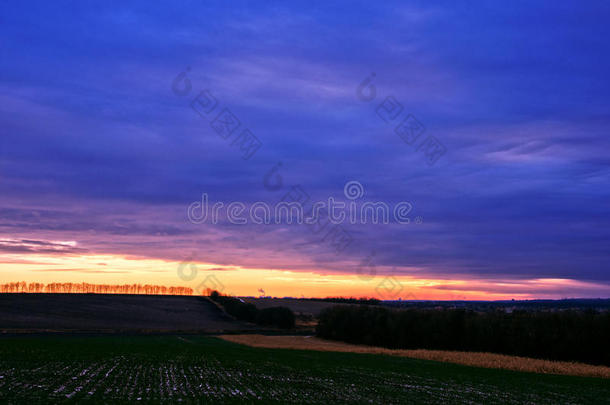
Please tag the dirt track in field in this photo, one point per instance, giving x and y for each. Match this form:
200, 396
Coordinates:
487, 360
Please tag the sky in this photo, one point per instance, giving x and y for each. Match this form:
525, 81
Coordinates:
102, 152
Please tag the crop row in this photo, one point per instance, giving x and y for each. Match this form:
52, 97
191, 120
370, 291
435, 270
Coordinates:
132, 379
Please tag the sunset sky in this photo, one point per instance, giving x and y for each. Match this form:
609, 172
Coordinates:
101, 153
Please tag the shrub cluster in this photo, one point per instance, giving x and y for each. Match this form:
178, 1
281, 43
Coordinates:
346, 300
561, 335
280, 317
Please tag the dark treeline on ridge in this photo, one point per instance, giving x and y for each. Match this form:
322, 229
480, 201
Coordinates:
565, 335
347, 300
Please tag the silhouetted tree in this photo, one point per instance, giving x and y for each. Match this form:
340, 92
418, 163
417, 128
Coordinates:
86, 288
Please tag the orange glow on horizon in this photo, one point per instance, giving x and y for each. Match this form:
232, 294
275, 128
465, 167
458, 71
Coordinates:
235, 280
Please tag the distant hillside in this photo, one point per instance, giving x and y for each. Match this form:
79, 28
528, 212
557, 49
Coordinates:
112, 312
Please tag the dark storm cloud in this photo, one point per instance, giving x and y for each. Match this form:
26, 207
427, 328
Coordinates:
96, 147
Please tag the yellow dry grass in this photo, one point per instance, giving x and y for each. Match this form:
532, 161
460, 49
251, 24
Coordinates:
488, 360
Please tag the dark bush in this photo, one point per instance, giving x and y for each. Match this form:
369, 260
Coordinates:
235, 307
281, 317
563, 335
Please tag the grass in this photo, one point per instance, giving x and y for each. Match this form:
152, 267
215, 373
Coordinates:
488, 360
169, 369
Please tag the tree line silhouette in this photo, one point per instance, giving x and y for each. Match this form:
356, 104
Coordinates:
87, 288
571, 335
347, 300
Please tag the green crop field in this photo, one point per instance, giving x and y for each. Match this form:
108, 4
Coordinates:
111, 369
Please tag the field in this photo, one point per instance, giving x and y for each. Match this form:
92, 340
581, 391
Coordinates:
43, 369
488, 360
112, 312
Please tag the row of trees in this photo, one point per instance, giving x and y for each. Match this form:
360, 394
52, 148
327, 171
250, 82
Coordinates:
561, 335
87, 288
348, 300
